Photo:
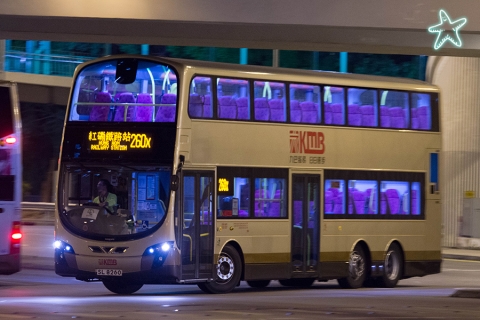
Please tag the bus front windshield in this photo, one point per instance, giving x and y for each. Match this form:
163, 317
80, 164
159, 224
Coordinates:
101, 201
124, 90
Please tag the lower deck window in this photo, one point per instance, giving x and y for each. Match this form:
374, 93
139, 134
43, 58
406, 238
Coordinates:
373, 194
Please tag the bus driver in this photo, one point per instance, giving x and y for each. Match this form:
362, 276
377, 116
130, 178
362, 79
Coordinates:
105, 197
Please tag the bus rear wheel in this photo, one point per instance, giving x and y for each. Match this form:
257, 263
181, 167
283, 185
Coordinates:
393, 267
228, 272
122, 287
357, 270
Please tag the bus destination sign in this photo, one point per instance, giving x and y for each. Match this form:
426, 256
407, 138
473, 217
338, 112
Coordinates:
118, 141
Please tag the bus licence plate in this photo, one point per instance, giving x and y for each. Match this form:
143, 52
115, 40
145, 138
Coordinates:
109, 272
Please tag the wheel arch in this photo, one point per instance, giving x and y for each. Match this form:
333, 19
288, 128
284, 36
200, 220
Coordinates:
237, 247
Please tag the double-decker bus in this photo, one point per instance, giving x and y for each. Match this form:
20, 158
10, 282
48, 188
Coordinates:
10, 178
190, 172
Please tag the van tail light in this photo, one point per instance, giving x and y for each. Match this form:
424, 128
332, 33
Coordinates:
10, 140
15, 238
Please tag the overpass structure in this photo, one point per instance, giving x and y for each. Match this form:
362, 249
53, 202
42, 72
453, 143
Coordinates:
369, 26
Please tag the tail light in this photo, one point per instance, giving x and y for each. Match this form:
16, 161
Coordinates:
15, 238
10, 140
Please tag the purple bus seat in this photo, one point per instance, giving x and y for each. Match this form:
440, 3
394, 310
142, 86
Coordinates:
243, 109
414, 119
260, 195
414, 203
166, 112
354, 115
295, 111
297, 212
329, 201
350, 200
124, 113
393, 201
328, 113
207, 106
169, 98
85, 95
242, 213
262, 111
274, 210
144, 113
338, 204
227, 107
359, 202
337, 113
309, 112
100, 113
277, 110
397, 117
383, 203
334, 191
424, 118
368, 116
195, 105
384, 117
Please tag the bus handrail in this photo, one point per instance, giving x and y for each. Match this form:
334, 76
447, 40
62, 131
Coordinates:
38, 206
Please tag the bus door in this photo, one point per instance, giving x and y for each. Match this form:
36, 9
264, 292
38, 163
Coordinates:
305, 223
197, 228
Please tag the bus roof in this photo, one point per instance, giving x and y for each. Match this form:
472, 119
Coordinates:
287, 74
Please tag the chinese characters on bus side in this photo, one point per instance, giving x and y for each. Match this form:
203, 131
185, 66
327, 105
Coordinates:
307, 142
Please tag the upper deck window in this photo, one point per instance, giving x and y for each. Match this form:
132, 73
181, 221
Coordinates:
362, 107
269, 101
305, 103
200, 100
394, 112
334, 104
233, 99
125, 90
421, 111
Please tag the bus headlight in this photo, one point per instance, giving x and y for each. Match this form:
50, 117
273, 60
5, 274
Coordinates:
63, 247
154, 256
166, 247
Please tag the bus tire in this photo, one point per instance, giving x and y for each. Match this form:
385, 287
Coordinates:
357, 270
228, 272
393, 268
122, 287
297, 282
258, 283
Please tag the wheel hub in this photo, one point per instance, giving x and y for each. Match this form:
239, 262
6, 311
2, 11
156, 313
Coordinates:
225, 268
356, 265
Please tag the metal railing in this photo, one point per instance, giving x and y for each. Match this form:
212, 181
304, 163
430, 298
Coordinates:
46, 64
38, 206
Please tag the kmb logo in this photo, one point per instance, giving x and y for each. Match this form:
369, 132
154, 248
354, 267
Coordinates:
309, 142
107, 262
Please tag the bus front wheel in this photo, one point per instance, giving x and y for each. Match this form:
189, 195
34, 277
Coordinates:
357, 269
228, 272
393, 267
122, 287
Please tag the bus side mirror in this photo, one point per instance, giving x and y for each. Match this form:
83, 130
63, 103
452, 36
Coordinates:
174, 183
